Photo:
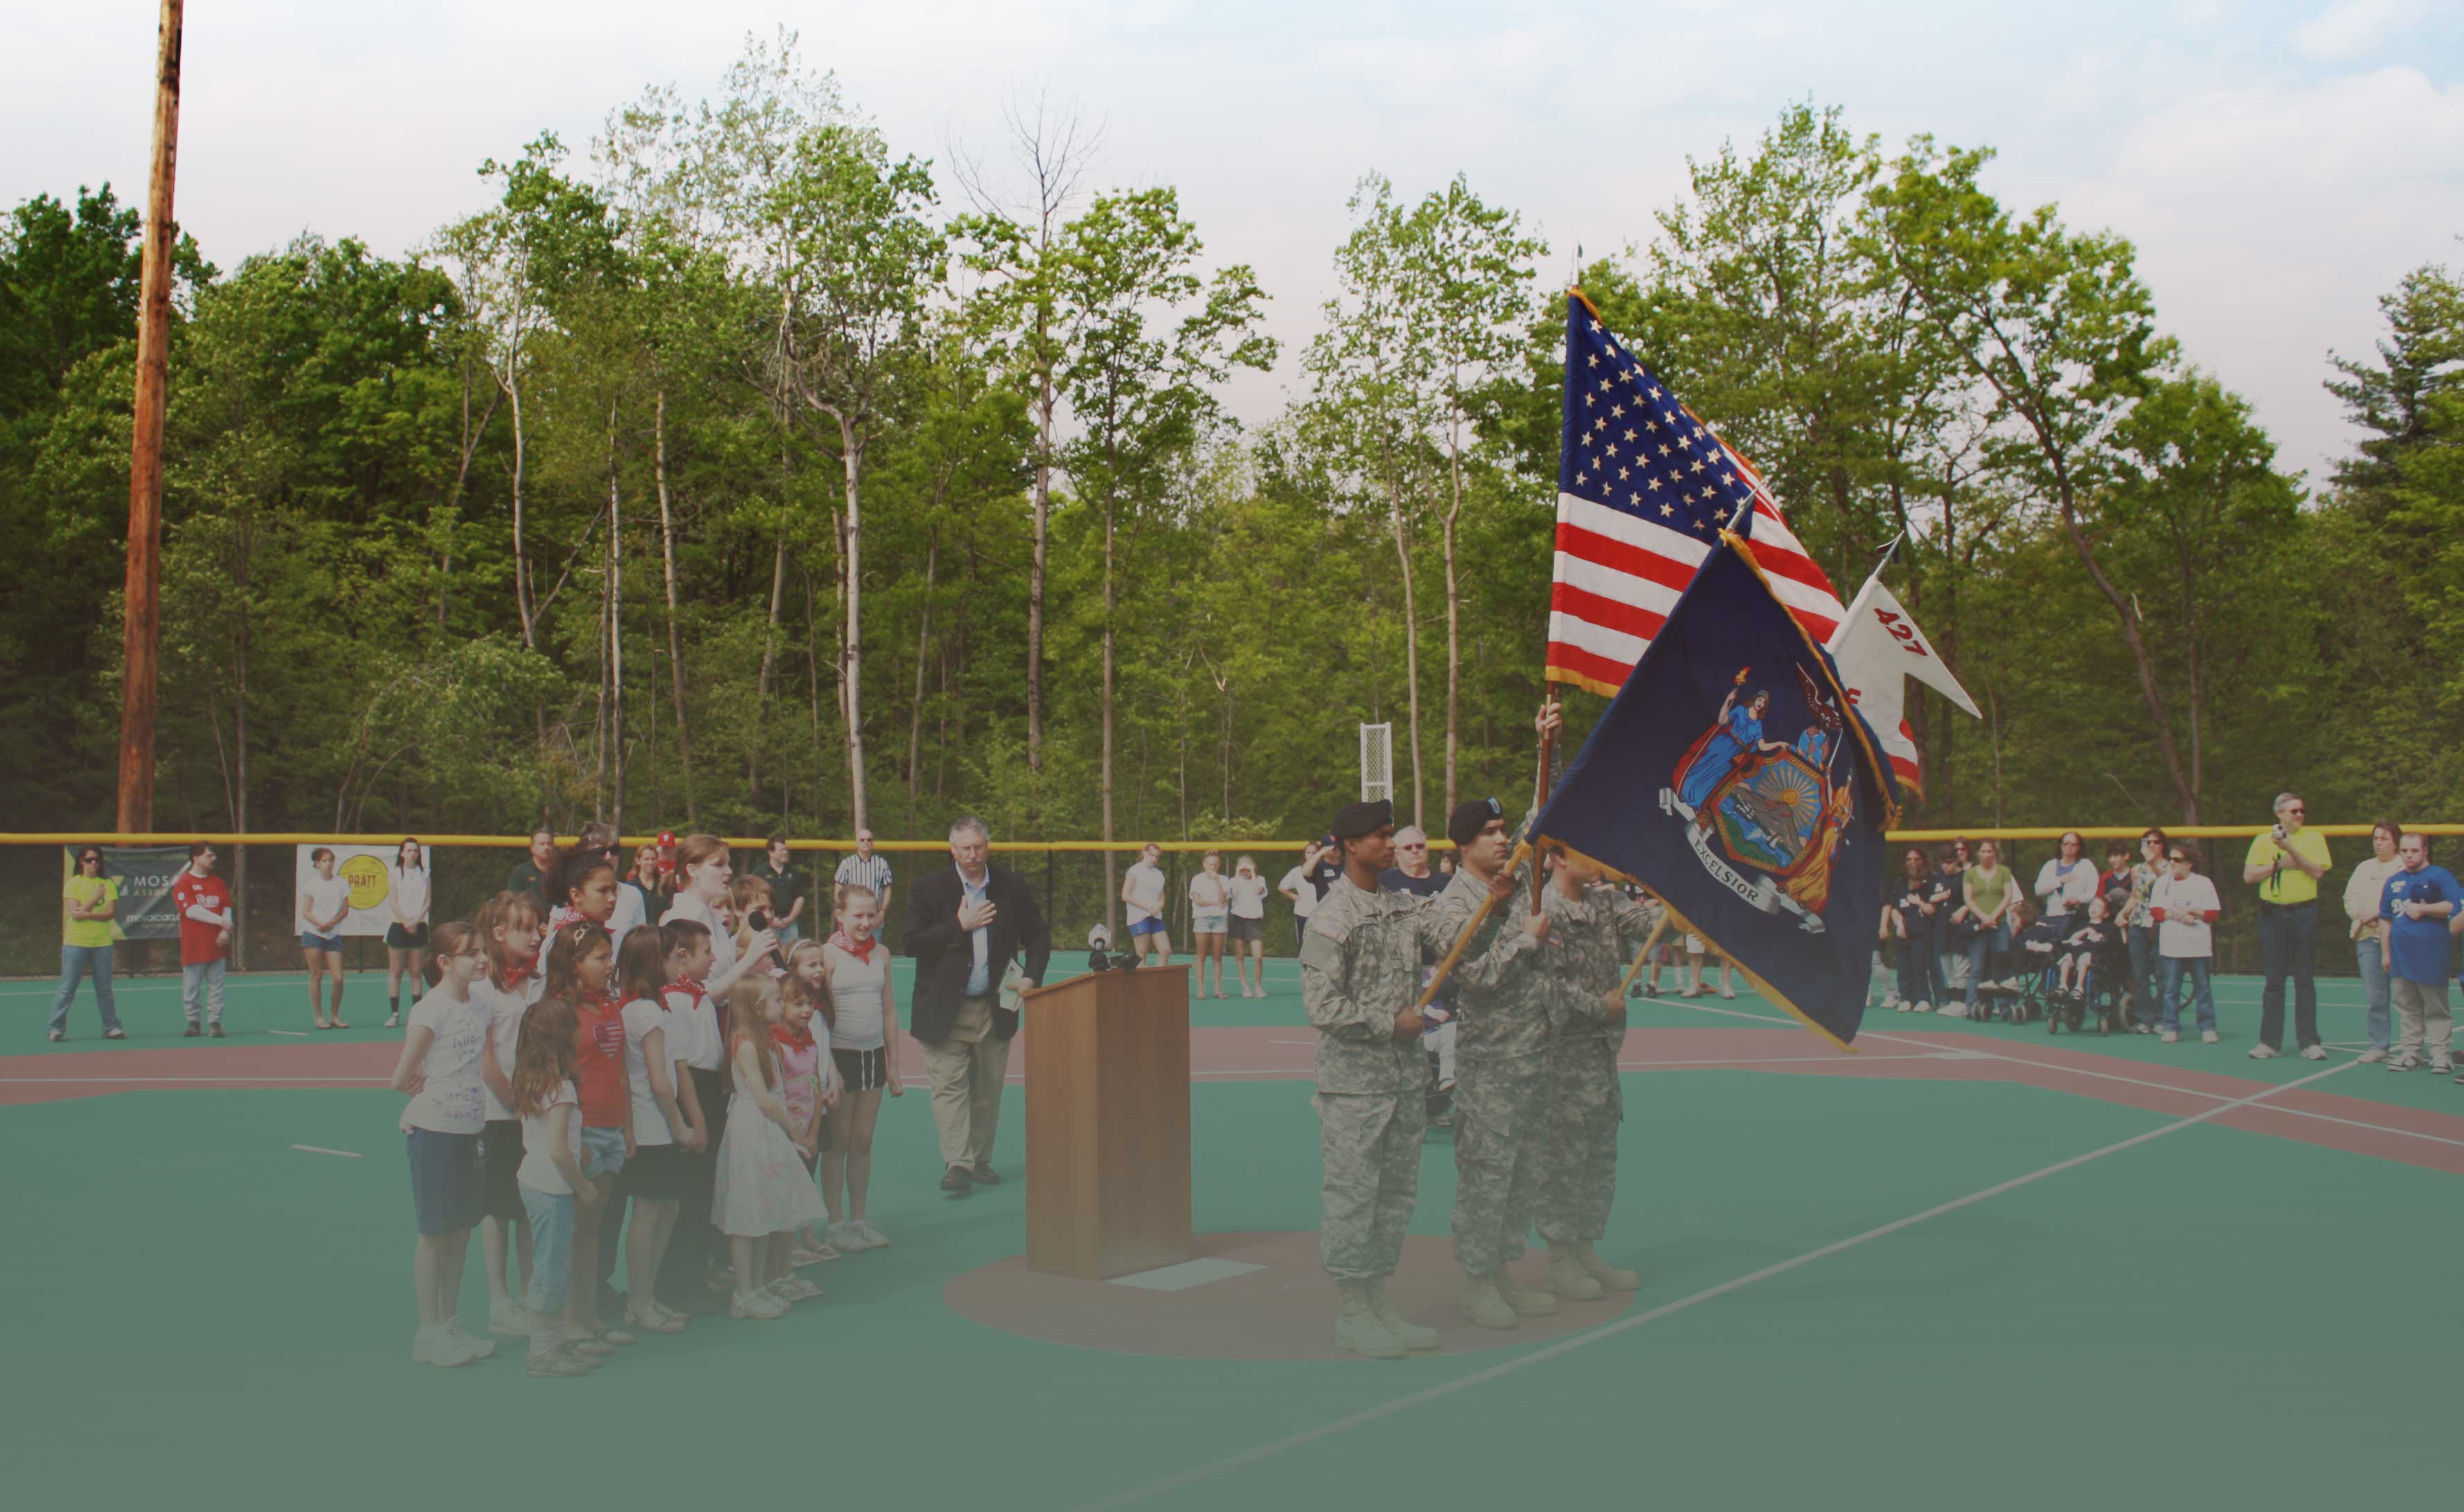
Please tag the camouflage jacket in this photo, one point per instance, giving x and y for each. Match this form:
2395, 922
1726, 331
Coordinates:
1360, 966
1499, 988
1596, 938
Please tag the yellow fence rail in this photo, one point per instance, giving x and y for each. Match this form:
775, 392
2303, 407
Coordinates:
755, 842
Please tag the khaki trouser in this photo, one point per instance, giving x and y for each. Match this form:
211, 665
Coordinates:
967, 1070
2421, 1013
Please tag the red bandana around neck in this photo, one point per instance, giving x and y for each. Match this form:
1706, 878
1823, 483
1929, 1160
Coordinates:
793, 1039
840, 940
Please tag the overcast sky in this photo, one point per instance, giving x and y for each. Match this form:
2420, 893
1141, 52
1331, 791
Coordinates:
2279, 164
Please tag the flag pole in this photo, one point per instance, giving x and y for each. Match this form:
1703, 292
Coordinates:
1463, 941
1649, 941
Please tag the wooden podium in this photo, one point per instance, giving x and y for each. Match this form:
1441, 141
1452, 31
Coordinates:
1107, 1122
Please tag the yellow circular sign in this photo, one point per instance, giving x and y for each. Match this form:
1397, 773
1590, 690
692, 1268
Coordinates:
366, 875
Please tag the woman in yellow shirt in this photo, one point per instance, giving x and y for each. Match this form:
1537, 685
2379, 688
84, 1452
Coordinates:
88, 901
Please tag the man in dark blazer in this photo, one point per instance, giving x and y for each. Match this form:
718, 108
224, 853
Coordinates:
964, 926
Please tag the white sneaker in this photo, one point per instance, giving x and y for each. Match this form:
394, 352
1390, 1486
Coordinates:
2316, 1052
1955, 1010
437, 1346
2443, 1067
480, 1349
2372, 1056
2262, 1052
509, 1318
847, 1238
2208, 1037
1924, 1008
2172, 1038
393, 1020
2405, 1062
1903, 1007
881, 1240
1727, 992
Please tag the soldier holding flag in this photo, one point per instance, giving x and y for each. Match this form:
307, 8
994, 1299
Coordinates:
1500, 994
1361, 982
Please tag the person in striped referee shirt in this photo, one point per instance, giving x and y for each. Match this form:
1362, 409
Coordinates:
865, 869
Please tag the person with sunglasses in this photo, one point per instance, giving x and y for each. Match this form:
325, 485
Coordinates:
2184, 906
1411, 872
2286, 862
88, 901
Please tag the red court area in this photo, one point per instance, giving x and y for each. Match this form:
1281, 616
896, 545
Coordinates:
2357, 1125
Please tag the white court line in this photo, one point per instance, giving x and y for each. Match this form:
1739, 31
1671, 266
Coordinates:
1309, 1042
2185, 1091
1783, 1059
296, 1033
320, 1149
1592, 1336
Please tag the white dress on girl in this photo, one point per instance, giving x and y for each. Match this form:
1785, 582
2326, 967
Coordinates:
762, 1186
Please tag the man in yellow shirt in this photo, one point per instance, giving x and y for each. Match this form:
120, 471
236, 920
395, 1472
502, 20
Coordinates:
88, 901
2286, 862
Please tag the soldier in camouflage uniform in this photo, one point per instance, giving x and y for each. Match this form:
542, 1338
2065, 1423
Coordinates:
1360, 980
1500, 999
1597, 931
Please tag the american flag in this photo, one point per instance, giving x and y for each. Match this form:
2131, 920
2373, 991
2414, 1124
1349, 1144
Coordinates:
1644, 488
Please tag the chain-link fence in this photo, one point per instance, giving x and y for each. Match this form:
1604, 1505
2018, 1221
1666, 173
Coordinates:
1071, 880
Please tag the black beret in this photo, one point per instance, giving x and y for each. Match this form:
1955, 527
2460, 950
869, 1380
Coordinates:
1470, 817
1364, 818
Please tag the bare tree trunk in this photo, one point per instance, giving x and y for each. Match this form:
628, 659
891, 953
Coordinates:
1045, 401
522, 559
1104, 778
923, 642
615, 636
2142, 660
770, 632
1454, 636
1411, 650
852, 664
239, 751
675, 638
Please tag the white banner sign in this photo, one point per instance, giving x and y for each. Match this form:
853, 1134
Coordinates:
359, 876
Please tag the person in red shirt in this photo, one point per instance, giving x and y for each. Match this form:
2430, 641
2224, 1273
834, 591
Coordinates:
204, 904
580, 960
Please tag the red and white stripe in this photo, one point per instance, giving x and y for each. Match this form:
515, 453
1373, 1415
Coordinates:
1618, 575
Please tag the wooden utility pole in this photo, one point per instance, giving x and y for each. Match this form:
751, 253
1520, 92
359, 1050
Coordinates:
142, 633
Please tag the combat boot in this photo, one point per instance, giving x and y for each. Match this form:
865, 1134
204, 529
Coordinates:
1486, 1307
1567, 1277
1357, 1327
1411, 1335
1601, 1271
1528, 1300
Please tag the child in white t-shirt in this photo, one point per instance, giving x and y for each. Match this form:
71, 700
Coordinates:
667, 1122
552, 1186
2184, 906
442, 1052
509, 933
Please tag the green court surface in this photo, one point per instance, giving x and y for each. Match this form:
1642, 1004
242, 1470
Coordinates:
2210, 1316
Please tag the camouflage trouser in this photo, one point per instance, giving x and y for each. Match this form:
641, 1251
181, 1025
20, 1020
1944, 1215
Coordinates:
1578, 1174
1501, 1138
1370, 1141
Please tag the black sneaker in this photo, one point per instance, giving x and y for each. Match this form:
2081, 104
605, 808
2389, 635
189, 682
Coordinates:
192, 1032
958, 1181
216, 1032
983, 1175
